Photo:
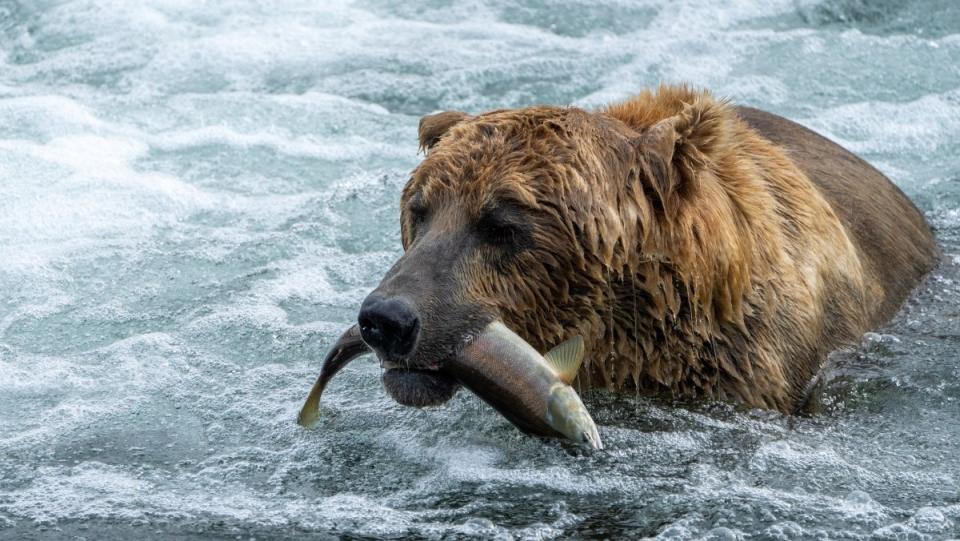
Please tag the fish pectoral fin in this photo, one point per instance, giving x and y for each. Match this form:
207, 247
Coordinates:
566, 358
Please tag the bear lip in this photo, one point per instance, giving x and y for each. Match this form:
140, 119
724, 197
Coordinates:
418, 388
392, 365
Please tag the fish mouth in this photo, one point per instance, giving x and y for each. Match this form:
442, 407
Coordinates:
418, 387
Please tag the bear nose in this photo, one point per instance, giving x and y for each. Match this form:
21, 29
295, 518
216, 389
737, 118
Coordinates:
388, 325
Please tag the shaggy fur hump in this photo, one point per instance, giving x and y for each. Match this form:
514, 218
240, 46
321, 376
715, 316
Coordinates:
695, 256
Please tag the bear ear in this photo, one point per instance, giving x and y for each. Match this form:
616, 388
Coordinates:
675, 149
432, 127
658, 148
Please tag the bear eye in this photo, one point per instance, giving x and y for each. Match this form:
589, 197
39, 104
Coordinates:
419, 213
503, 232
499, 234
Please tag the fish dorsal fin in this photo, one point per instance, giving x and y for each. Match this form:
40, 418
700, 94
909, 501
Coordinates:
565, 359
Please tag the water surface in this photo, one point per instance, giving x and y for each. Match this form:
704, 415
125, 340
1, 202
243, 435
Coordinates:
196, 196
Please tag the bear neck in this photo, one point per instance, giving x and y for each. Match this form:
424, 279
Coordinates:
695, 281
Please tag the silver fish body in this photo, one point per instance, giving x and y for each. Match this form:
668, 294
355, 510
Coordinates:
509, 374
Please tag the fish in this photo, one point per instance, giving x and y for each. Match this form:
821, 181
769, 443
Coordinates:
531, 390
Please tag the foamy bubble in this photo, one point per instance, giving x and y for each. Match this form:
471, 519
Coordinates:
195, 198
921, 126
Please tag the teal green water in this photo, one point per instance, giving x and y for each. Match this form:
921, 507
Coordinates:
196, 196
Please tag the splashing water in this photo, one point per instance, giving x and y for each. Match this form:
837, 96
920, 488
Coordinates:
196, 196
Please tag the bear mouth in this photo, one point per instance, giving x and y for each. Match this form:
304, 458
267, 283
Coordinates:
418, 387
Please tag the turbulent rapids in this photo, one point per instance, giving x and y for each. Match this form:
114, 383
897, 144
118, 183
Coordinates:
196, 197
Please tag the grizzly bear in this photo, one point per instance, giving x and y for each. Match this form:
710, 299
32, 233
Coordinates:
700, 249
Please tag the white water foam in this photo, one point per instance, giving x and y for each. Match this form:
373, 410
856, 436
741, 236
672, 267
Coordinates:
195, 197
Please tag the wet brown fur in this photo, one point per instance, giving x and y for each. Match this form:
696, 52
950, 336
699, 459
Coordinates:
700, 249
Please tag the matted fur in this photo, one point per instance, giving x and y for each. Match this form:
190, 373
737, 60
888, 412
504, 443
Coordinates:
694, 256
